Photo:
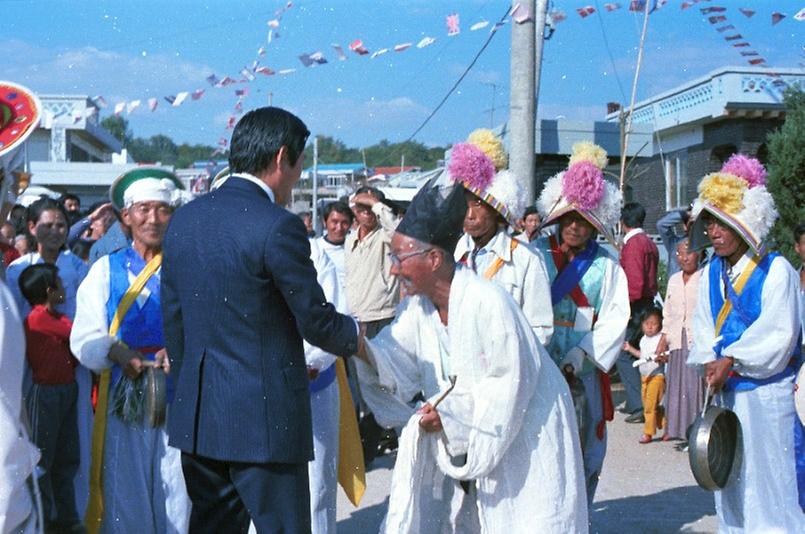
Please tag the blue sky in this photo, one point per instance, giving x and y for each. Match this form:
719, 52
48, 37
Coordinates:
143, 48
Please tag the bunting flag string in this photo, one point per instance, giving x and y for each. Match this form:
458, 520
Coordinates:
715, 15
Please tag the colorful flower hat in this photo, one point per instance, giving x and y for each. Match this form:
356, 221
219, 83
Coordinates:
582, 188
737, 196
479, 165
147, 184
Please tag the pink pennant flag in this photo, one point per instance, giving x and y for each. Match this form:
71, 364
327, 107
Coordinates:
685, 5
226, 80
715, 19
776, 17
800, 16
99, 101
585, 11
197, 94
521, 14
757, 61
152, 103
714, 9
339, 52
239, 106
223, 142
426, 41
557, 16
261, 51
452, 24
264, 71
612, 7
402, 46
119, 107
134, 104
180, 98
230, 123
746, 11
273, 24
357, 47
479, 25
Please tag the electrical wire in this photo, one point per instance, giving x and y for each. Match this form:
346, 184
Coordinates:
609, 51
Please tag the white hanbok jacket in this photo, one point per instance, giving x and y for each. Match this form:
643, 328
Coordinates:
510, 413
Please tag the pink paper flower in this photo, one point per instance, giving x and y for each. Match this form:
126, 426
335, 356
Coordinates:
747, 168
583, 185
469, 165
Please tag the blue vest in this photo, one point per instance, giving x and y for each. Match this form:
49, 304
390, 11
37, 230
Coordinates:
746, 309
141, 328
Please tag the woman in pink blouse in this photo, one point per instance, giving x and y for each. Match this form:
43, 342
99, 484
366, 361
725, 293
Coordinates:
685, 393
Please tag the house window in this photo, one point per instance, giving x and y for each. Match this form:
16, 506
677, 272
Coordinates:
676, 181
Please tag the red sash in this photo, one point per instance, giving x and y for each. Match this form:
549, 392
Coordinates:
580, 299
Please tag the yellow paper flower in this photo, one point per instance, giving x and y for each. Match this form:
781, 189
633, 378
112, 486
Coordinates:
586, 151
724, 191
490, 145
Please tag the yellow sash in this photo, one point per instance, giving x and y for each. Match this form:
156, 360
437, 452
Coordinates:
94, 514
351, 469
726, 308
498, 263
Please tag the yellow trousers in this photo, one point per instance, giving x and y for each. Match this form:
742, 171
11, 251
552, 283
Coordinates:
652, 390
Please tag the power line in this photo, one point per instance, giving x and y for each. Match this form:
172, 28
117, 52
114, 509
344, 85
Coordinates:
609, 52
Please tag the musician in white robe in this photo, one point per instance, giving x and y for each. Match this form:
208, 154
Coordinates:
746, 331
500, 453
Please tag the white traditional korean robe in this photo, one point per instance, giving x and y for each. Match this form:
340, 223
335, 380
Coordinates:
510, 413
523, 275
761, 493
143, 484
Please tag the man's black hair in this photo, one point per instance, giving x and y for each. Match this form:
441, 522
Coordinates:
70, 196
338, 207
530, 210
375, 192
799, 231
260, 134
633, 214
42, 205
35, 281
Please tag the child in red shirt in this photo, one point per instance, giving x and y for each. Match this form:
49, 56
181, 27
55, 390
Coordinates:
53, 397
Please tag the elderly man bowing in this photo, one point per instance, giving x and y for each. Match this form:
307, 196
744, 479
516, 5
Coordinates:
500, 452
136, 482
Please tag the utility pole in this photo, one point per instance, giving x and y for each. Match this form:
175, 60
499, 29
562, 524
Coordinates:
491, 110
526, 60
315, 211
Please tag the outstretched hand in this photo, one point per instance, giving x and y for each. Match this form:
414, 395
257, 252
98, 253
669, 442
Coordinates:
717, 372
430, 420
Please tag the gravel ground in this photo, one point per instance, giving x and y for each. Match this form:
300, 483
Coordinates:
643, 488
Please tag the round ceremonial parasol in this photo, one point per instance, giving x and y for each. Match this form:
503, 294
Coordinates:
713, 445
20, 112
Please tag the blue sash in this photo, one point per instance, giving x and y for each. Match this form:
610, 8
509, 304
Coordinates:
571, 275
324, 379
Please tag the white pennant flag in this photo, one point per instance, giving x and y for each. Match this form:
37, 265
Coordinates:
134, 104
119, 107
89, 112
181, 97
426, 41
479, 25
800, 16
152, 103
379, 53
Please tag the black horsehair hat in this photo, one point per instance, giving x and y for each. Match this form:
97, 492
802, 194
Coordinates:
436, 214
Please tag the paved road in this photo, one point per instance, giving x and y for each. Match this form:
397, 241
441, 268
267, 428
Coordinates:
643, 488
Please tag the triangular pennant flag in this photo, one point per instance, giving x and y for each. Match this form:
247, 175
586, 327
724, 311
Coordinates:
747, 12
242, 92
379, 53
685, 5
776, 17
741, 45
152, 103
479, 25
585, 11
90, 111
735, 37
402, 46
757, 61
273, 23
747, 53
612, 7
452, 25
286, 71
230, 122
179, 99
261, 51
197, 94
305, 59
426, 41
800, 16
318, 57
212, 79
100, 101
521, 14
119, 107
722, 29
339, 52
714, 9
264, 70
134, 104
247, 74
357, 47
223, 142
557, 16
716, 19
226, 80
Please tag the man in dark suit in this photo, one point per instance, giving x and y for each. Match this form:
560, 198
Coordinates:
239, 293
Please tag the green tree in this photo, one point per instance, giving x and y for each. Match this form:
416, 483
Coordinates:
119, 128
786, 179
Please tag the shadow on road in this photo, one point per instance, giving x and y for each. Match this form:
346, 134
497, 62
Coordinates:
365, 519
672, 510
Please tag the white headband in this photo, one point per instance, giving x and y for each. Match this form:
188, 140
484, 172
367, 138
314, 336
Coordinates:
153, 189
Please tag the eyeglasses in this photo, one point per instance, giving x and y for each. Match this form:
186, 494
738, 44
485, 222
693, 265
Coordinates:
397, 259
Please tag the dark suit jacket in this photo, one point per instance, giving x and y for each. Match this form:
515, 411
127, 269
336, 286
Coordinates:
239, 292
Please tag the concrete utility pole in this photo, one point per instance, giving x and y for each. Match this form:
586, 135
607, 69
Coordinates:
315, 210
526, 60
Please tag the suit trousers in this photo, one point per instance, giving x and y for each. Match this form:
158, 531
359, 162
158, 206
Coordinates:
225, 495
